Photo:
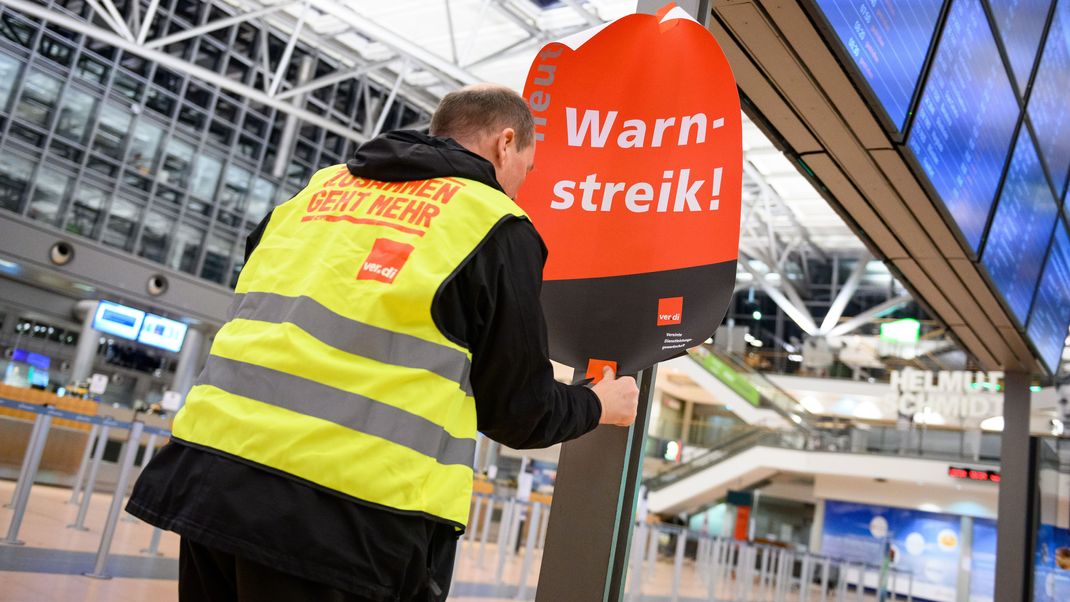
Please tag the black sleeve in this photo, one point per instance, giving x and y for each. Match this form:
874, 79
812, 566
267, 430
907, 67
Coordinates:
254, 237
492, 306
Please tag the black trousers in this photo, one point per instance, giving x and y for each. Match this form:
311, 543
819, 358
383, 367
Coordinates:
208, 575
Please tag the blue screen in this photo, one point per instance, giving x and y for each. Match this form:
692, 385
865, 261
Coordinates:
965, 122
924, 543
1048, 108
1050, 318
1021, 229
888, 41
1020, 24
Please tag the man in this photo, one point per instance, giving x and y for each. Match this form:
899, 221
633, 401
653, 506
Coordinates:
384, 314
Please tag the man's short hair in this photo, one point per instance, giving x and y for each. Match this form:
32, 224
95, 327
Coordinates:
475, 111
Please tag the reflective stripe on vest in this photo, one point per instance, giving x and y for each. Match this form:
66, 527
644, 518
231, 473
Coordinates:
355, 337
331, 368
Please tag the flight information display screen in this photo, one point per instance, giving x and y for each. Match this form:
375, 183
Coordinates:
1021, 229
1021, 24
888, 41
1050, 318
962, 132
1048, 107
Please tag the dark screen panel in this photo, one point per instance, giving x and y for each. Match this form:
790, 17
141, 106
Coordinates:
1050, 318
1021, 24
888, 41
1049, 107
1021, 229
962, 132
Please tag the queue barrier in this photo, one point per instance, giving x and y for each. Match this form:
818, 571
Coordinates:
43, 414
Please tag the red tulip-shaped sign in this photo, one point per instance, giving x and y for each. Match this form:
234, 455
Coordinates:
636, 189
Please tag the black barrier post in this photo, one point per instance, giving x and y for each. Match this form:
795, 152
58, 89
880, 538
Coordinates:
588, 538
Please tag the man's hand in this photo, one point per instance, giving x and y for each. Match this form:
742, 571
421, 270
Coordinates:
619, 397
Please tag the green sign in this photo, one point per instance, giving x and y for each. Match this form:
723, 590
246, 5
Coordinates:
726, 374
906, 331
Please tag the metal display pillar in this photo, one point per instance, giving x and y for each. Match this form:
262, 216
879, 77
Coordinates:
1016, 529
88, 343
595, 495
189, 362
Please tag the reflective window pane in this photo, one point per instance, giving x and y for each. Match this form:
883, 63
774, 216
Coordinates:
49, 194
186, 248
206, 176
260, 198
75, 114
155, 235
9, 74
235, 186
177, 163
14, 180
122, 223
112, 130
86, 211
143, 147
39, 96
217, 256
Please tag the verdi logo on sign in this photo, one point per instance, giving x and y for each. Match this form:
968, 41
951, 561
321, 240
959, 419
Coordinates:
636, 189
951, 394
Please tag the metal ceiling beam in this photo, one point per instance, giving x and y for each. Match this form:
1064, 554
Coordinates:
587, 15
800, 316
333, 78
172, 62
844, 296
215, 25
869, 315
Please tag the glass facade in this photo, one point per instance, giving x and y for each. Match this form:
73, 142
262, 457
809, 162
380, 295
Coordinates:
106, 145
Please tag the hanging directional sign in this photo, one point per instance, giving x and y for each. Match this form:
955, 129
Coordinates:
636, 189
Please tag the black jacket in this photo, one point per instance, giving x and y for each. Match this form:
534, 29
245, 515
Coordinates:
491, 305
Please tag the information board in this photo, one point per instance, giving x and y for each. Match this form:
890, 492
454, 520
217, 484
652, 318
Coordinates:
1021, 24
888, 41
965, 122
1050, 318
924, 543
118, 320
1021, 229
1048, 107
161, 332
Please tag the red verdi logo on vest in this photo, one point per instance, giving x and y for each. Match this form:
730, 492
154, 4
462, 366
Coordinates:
385, 261
636, 189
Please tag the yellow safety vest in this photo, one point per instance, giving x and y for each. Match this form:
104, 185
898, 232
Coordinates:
331, 368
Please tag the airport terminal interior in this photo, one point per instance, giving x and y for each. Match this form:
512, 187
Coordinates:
880, 415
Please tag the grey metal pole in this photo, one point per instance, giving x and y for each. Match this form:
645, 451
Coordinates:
487, 515
543, 522
910, 588
126, 465
504, 527
529, 553
519, 515
154, 543
651, 563
860, 589
87, 492
1016, 529
473, 533
824, 579
76, 488
805, 579
36, 448
27, 460
678, 564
